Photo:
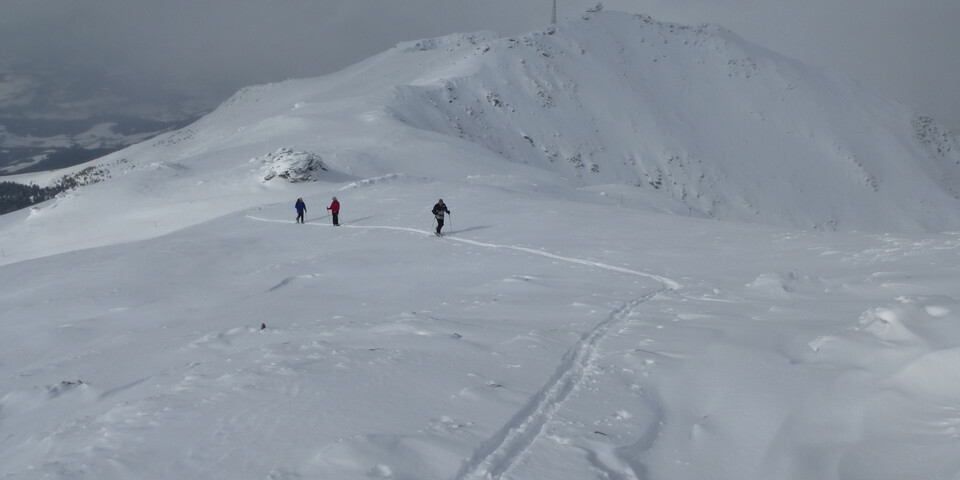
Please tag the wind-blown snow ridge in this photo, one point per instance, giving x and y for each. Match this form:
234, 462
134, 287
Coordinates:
696, 114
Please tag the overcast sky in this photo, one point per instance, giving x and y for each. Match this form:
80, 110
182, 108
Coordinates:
152, 51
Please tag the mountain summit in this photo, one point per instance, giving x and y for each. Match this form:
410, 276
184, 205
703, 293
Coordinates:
687, 120
729, 130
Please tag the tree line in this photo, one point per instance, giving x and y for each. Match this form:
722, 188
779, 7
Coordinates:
15, 196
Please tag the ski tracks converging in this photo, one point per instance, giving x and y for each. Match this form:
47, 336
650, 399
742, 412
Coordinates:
498, 454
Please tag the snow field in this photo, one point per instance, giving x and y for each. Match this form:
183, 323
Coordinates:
391, 353
588, 315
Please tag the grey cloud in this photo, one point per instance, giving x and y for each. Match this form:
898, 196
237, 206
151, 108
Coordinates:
903, 50
183, 54
148, 51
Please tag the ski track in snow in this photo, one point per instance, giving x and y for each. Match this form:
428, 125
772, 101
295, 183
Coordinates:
497, 455
666, 282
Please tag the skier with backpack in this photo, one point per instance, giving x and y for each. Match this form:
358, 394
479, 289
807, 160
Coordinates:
438, 210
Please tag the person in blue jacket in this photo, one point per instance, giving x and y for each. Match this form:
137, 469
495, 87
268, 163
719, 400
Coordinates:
301, 207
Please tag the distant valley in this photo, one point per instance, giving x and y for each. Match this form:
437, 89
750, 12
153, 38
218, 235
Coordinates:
34, 145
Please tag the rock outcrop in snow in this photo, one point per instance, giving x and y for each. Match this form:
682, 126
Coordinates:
293, 166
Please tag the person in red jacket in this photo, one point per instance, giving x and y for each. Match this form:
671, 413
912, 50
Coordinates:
335, 211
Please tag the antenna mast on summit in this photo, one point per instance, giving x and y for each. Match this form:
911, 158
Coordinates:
553, 17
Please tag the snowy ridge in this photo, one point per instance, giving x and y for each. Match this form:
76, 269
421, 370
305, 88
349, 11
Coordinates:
696, 114
694, 119
173, 321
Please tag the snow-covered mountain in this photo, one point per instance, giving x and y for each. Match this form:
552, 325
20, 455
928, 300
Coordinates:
642, 278
725, 129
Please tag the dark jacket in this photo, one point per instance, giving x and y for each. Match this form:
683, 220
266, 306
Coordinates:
301, 206
439, 209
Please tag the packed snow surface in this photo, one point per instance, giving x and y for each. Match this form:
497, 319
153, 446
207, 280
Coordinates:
670, 255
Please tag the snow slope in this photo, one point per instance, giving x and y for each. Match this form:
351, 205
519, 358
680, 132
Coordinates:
581, 320
705, 123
